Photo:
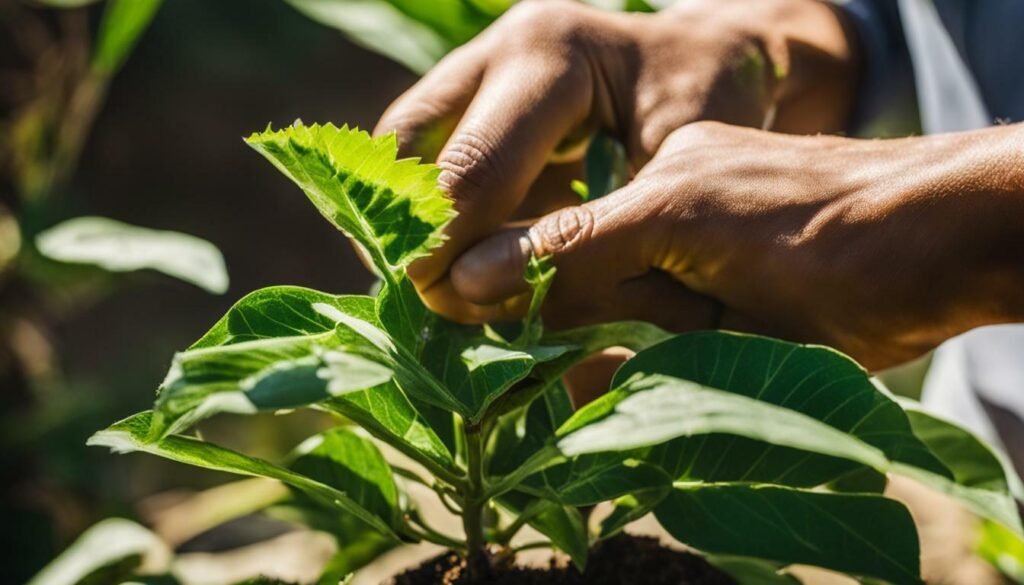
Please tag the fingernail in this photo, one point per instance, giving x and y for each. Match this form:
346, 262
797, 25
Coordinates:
492, 271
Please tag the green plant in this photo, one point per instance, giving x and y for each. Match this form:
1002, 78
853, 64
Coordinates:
742, 446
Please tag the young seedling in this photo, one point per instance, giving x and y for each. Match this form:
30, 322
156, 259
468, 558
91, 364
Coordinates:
758, 452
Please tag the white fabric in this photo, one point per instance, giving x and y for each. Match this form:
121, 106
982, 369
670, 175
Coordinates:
988, 362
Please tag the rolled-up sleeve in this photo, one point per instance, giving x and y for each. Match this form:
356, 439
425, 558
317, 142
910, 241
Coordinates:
886, 103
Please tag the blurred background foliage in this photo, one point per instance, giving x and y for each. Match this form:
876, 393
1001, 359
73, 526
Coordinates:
150, 137
134, 110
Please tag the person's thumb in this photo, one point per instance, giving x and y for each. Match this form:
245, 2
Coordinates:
595, 243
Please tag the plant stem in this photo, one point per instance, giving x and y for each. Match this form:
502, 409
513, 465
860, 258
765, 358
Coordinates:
475, 501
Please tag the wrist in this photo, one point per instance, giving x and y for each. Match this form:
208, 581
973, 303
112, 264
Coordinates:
943, 217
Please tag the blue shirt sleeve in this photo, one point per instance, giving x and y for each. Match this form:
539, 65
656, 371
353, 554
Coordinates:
886, 102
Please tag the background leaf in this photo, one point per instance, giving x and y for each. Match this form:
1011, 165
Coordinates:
114, 543
1004, 549
131, 434
123, 23
119, 247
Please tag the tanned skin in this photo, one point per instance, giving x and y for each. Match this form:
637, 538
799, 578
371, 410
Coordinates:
880, 248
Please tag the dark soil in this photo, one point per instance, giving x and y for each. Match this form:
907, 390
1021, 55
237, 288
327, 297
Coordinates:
620, 560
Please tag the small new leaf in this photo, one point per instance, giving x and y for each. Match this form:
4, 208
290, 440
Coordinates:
393, 208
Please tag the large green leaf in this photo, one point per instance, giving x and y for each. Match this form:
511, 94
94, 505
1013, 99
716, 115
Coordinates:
973, 463
750, 571
812, 380
131, 434
353, 465
282, 311
119, 247
393, 208
861, 534
983, 482
106, 552
653, 409
286, 347
267, 374
123, 23
388, 414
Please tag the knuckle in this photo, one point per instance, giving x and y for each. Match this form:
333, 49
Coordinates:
562, 232
695, 134
542, 23
469, 167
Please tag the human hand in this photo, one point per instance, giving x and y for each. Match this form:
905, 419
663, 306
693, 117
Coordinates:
880, 248
508, 116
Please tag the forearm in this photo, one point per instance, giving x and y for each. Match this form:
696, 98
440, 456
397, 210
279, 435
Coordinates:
947, 217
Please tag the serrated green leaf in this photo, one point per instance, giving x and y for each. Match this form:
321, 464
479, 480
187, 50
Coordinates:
393, 208
353, 465
119, 247
861, 534
131, 434
114, 546
811, 380
123, 23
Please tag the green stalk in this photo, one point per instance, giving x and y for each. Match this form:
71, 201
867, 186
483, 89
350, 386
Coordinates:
475, 501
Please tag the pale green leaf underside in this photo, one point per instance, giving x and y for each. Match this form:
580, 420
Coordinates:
282, 311
392, 208
106, 543
650, 410
119, 247
130, 435
860, 534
